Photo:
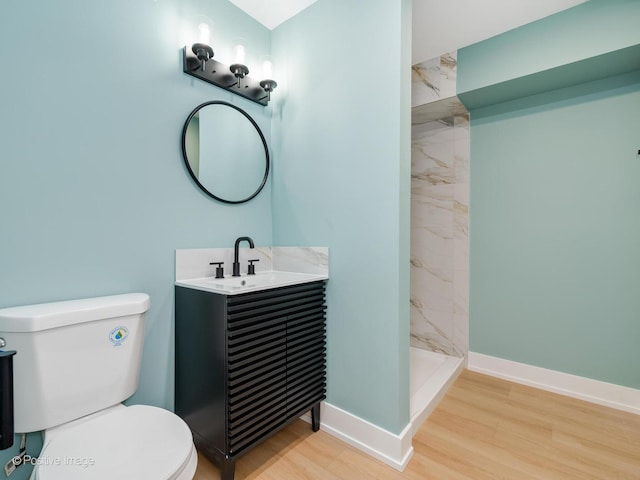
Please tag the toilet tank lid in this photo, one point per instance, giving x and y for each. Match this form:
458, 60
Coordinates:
44, 316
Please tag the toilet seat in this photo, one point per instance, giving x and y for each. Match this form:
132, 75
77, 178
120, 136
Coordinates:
137, 442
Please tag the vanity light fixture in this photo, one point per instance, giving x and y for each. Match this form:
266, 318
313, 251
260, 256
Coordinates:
239, 69
202, 50
198, 62
267, 84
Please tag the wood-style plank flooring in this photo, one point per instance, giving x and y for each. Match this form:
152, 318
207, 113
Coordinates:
484, 428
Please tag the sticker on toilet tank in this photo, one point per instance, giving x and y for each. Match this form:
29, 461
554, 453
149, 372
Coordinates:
118, 335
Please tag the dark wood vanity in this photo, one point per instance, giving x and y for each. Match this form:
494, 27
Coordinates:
248, 364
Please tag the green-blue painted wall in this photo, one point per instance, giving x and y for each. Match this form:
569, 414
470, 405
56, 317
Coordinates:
341, 179
94, 196
554, 229
593, 40
587, 30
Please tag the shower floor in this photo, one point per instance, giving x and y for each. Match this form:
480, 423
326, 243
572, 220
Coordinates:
431, 374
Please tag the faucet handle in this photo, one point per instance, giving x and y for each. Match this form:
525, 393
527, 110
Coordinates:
251, 270
219, 269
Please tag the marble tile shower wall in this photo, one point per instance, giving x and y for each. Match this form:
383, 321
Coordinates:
434, 79
439, 213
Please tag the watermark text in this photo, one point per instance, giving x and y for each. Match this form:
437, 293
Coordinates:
84, 462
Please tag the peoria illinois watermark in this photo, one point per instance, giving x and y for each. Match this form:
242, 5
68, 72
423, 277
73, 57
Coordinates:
84, 462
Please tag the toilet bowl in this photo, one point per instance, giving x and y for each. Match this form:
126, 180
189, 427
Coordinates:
76, 362
137, 442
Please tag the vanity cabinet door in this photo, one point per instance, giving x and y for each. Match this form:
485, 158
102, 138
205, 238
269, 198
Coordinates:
275, 339
256, 374
306, 352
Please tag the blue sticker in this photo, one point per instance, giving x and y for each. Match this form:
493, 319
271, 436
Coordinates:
118, 335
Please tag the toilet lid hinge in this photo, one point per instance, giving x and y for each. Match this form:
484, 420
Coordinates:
19, 459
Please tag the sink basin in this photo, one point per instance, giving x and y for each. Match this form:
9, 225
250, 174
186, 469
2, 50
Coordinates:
250, 283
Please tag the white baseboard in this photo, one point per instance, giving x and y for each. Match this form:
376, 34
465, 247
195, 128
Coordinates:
394, 450
595, 391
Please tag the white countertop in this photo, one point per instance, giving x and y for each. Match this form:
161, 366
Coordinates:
250, 283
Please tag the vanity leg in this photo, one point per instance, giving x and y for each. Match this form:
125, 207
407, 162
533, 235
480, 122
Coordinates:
227, 469
315, 417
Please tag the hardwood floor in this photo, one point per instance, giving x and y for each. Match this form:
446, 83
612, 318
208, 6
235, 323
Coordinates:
484, 428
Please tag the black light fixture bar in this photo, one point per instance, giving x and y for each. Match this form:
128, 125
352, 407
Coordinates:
220, 75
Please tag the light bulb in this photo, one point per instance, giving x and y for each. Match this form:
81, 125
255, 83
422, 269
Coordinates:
267, 69
267, 83
240, 54
204, 33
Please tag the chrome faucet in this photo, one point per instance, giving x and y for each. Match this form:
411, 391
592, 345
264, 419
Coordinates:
236, 263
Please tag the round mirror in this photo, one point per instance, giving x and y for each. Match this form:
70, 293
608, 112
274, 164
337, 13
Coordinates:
225, 152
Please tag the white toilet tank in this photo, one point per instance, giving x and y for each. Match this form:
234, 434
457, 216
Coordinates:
73, 358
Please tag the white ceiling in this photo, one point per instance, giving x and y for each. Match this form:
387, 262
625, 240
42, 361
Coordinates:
442, 26
272, 13
439, 26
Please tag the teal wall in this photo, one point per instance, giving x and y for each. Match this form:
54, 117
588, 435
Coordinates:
590, 41
585, 31
96, 197
341, 179
93, 192
554, 230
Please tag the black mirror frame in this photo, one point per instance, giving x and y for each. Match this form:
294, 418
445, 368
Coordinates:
186, 159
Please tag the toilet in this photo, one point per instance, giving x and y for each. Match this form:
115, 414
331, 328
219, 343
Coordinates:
76, 362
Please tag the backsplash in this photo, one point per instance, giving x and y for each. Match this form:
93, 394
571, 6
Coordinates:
194, 262
301, 259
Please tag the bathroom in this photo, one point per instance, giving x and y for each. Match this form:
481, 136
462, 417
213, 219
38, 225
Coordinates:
96, 199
